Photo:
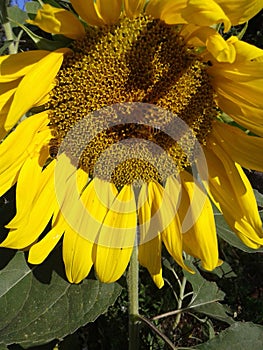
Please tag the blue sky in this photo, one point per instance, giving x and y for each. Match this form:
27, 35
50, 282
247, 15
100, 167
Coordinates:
19, 3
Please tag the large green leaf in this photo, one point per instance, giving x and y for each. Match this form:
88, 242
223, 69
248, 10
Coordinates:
38, 305
229, 236
206, 297
238, 336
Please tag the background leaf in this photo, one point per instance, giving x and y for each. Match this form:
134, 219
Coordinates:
259, 198
3, 347
32, 7
238, 336
206, 297
16, 15
38, 305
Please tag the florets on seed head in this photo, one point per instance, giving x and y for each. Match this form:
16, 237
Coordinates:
135, 60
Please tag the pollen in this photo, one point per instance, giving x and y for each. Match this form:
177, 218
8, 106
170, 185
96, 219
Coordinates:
139, 60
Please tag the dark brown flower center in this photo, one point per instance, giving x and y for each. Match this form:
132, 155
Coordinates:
141, 60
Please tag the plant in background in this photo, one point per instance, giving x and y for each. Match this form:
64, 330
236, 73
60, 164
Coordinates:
125, 146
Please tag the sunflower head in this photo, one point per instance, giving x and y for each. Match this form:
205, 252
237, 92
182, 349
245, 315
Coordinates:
128, 145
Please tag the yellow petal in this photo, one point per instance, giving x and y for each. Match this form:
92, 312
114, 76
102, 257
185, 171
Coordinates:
39, 251
167, 10
21, 138
7, 90
77, 256
205, 13
172, 235
111, 263
39, 81
58, 21
246, 51
28, 178
234, 196
14, 149
87, 10
241, 11
41, 211
154, 210
222, 51
85, 213
116, 237
149, 255
133, 7
240, 88
217, 46
109, 11
197, 215
3, 115
148, 206
245, 150
242, 112
13, 67
119, 226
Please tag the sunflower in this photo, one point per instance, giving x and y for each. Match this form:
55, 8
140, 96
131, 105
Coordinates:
116, 125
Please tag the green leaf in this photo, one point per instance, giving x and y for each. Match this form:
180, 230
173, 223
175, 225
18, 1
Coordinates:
32, 7
238, 336
16, 15
224, 271
259, 198
206, 297
229, 236
3, 347
38, 305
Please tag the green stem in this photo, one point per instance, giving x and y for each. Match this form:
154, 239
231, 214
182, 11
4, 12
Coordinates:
133, 282
180, 301
9, 36
7, 27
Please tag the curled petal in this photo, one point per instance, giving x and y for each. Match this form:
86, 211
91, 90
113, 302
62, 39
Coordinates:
58, 21
205, 13
217, 46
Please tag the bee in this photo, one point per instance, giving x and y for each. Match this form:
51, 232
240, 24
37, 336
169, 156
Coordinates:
53, 148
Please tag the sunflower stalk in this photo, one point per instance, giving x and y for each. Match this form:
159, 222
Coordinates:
133, 290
